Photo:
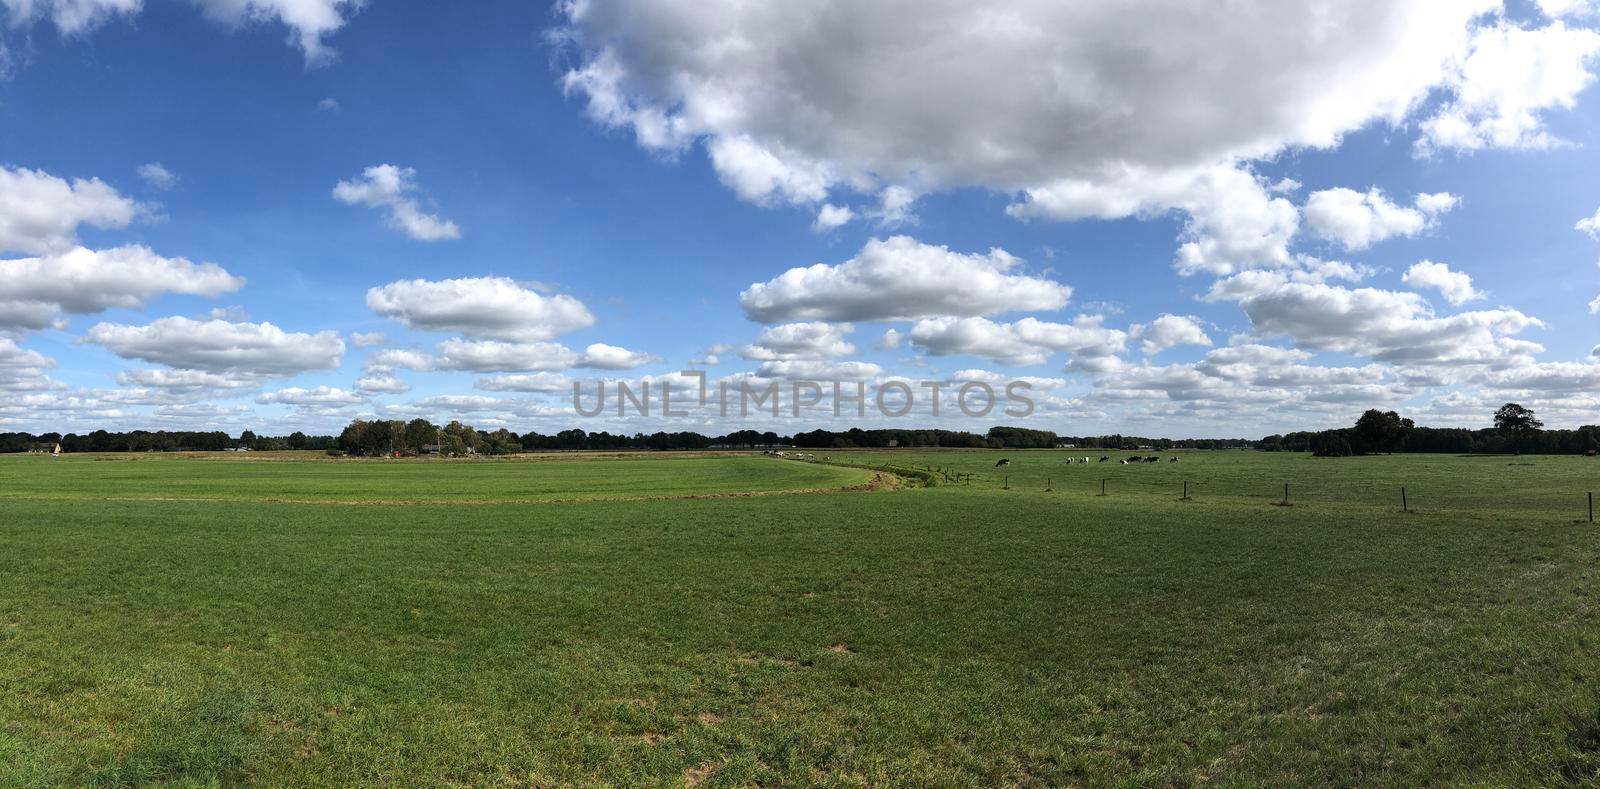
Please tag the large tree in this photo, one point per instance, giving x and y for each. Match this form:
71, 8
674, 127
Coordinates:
1382, 431
1518, 421
420, 433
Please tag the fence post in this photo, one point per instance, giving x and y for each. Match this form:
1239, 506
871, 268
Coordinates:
1404, 505
1185, 491
1006, 482
1102, 486
1286, 494
1047, 487
1591, 507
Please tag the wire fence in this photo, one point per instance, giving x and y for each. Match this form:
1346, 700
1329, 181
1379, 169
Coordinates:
1556, 486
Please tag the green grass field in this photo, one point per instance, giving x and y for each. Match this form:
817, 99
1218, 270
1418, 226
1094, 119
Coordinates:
589, 620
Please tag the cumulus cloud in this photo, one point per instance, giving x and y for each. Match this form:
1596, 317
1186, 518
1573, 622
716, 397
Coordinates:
386, 361
495, 308
493, 356
35, 292
1168, 331
818, 370
1506, 79
1455, 286
1234, 221
157, 176
70, 17
900, 278
1005, 97
221, 346
186, 381
831, 217
1377, 324
40, 213
601, 356
546, 383
381, 383
1028, 341
310, 22
320, 397
808, 340
368, 339
393, 189
1357, 221
1590, 225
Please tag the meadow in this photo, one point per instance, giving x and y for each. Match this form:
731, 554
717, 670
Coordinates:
735, 619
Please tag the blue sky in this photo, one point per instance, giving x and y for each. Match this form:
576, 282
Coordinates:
1264, 224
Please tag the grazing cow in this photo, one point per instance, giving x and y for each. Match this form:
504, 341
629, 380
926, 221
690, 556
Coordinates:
1135, 459
1174, 460
1152, 459
1104, 458
1002, 462
1123, 462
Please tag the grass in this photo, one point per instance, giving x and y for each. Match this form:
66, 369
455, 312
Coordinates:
948, 635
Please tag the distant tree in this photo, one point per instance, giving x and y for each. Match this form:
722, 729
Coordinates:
247, 439
1519, 422
1381, 431
420, 433
298, 440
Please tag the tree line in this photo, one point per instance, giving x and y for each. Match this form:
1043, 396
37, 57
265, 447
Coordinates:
1516, 430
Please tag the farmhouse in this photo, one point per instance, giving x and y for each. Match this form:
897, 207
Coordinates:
45, 448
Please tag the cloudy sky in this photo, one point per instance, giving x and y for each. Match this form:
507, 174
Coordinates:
1166, 218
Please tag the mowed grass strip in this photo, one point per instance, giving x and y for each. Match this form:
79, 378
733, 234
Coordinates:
308, 478
923, 636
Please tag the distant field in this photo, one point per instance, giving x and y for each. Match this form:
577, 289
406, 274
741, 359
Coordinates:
183, 621
314, 477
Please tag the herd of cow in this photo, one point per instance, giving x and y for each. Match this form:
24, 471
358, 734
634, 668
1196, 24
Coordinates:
1004, 462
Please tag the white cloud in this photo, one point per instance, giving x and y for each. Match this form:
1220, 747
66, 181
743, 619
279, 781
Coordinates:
794, 101
320, 397
221, 346
1382, 325
40, 213
387, 360
902, 278
186, 381
831, 217
810, 340
1455, 286
70, 17
817, 370
491, 356
328, 105
381, 383
35, 292
1509, 76
1234, 222
609, 357
1590, 225
491, 307
1028, 341
368, 339
392, 188
546, 383
1357, 220
1168, 331
309, 21
157, 176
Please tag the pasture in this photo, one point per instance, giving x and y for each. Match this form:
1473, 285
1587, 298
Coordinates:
627, 620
